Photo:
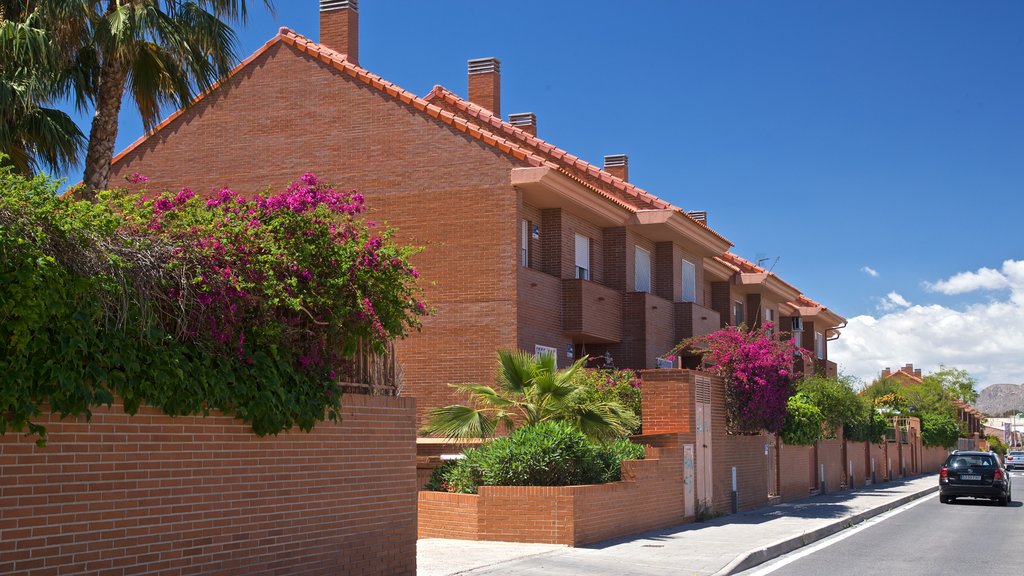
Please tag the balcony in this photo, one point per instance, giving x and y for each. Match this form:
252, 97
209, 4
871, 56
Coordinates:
826, 368
591, 312
693, 319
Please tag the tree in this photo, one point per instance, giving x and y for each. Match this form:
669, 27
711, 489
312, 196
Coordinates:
939, 430
834, 397
957, 383
159, 51
531, 390
32, 75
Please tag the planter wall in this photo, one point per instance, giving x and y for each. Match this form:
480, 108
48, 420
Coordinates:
650, 496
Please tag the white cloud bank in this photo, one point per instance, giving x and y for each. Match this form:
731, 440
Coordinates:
985, 338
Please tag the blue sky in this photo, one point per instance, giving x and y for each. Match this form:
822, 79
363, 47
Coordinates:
873, 147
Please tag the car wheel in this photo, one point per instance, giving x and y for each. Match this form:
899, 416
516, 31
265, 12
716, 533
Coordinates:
943, 499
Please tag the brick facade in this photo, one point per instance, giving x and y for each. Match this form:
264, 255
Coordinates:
151, 494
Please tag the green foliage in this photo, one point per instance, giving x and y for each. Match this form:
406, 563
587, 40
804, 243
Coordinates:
94, 304
803, 423
613, 386
530, 390
996, 445
939, 429
956, 383
835, 398
867, 425
549, 453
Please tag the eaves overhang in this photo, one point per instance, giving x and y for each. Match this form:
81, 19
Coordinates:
547, 187
717, 271
767, 283
671, 225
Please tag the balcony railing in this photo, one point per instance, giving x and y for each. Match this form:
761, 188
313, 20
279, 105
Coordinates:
693, 319
591, 312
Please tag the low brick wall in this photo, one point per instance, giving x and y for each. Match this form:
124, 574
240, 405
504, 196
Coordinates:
151, 494
932, 459
830, 455
650, 496
795, 471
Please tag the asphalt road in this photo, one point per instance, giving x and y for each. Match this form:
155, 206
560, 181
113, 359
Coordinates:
922, 538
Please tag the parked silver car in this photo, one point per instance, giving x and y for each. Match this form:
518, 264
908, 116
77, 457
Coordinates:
1014, 459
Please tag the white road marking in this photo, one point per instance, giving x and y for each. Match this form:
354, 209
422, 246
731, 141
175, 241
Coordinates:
808, 550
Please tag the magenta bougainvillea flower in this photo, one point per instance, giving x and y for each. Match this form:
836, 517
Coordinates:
758, 370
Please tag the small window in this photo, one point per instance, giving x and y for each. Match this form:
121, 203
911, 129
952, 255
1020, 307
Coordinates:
769, 315
642, 270
689, 281
582, 257
819, 345
738, 313
525, 251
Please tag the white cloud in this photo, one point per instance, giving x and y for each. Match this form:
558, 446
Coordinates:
985, 338
1010, 277
893, 301
869, 271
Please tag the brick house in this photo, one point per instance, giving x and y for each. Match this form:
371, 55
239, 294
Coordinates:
524, 245
745, 293
972, 418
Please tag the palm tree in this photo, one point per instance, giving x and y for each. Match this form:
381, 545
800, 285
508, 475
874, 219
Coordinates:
31, 75
159, 51
529, 390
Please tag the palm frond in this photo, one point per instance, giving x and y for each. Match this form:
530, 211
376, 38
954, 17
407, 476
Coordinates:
460, 422
516, 370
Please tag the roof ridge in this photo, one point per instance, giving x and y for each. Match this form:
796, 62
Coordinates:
488, 116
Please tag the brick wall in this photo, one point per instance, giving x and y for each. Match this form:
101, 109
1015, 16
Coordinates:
441, 188
667, 402
795, 463
830, 455
650, 496
151, 494
857, 453
932, 459
879, 455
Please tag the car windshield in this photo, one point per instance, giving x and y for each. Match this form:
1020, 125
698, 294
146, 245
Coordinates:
968, 460
1016, 454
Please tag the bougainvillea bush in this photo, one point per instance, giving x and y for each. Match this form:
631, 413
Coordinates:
758, 372
249, 305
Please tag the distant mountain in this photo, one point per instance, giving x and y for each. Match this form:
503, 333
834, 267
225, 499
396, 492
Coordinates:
997, 399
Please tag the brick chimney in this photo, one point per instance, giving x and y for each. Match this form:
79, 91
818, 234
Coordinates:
886, 373
339, 27
525, 121
485, 84
617, 165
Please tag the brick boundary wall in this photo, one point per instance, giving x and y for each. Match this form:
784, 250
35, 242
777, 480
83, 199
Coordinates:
151, 494
650, 496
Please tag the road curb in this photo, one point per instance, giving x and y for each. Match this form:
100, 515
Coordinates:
752, 558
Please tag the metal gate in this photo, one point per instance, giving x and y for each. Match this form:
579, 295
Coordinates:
703, 412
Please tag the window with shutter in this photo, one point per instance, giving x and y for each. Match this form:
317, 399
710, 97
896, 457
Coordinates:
582, 257
525, 251
689, 281
642, 271
738, 314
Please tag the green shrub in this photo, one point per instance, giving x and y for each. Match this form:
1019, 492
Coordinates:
546, 454
868, 425
803, 421
939, 429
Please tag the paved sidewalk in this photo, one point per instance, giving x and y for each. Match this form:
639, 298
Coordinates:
726, 545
